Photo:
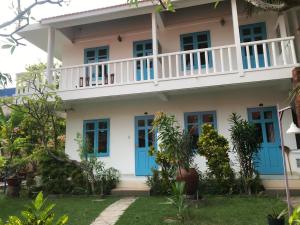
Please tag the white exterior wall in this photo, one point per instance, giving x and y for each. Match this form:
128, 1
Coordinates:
122, 113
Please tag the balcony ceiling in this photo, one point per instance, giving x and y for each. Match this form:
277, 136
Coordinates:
69, 25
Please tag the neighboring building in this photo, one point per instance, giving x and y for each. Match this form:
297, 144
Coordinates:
7, 92
122, 64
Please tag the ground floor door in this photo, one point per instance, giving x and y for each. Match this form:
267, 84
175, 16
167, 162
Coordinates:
269, 159
144, 139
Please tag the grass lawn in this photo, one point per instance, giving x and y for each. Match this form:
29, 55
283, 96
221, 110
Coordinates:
211, 211
81, 210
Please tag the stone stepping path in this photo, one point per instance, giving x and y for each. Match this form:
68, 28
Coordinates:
113, 212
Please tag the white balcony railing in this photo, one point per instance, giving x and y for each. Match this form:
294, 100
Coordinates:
258, 55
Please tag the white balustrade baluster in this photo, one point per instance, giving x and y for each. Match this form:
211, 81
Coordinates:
91, 76
97, 75
248, 56
292, 46
265, 55
122, 74
199, 63
142, 70
134, 70
214, 61
127, 73
170, 66
184, 64
103, 74
163, 67
177, 65
191, 63
256, 56
283, 52
148, 66
108, 74
206, 62
115, 73
230, 59
222, 60
274, 54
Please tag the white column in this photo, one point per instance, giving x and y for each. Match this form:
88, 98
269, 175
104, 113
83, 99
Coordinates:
237, 40
155, 47
282, 26
50, 50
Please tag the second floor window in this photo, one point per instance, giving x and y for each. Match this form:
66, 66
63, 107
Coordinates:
193, 123
96, 137
193, 41
94, 55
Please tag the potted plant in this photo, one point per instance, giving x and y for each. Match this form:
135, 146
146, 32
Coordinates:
276, 218
177, 146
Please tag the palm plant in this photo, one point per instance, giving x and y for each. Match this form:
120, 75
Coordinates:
178, 199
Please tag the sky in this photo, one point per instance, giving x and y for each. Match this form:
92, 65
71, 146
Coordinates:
29, 54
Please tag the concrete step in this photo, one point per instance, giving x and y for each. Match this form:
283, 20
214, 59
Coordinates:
294, 184
130, 185
130, 192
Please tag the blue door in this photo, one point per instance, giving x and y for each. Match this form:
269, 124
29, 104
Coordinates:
249, 33
144, 139
142, 49
269, 158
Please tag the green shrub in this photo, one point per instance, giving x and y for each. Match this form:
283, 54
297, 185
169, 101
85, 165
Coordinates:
106, 179
60, 177
208, 185
158, 184
215, 149
37, 213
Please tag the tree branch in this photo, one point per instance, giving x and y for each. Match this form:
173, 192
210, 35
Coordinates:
22, 18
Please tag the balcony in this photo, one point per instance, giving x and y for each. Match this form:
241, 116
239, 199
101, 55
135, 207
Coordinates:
262, 60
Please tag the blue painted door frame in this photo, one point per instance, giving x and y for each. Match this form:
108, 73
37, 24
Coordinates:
144, 139
249, 33
142, 49
269, 158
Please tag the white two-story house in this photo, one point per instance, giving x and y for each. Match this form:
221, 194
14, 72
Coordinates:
122, 64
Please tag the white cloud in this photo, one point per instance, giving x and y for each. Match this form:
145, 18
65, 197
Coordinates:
30, 54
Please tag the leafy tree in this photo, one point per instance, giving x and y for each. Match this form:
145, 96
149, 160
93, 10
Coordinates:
21, 18
35, 123
246, 144
5, 78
